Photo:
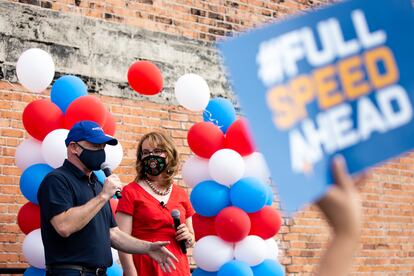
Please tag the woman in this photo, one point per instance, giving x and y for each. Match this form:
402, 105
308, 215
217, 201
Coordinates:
144, 211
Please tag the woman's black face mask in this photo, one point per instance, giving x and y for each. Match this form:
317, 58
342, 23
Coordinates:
154, 165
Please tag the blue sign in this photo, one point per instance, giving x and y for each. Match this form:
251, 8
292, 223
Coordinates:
338, 80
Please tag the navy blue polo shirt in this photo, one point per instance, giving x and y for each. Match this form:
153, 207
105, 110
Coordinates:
60, 190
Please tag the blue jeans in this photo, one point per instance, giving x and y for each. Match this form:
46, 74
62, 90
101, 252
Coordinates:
68, 272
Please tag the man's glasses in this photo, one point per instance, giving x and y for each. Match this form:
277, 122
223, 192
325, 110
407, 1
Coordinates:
157, 152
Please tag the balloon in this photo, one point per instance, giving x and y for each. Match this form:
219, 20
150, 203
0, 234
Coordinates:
235, 268
35, 69
268, 268
54, 149
238, 138
209, 197
114, 204
211, 252
265, 223
195, 170
270, 195
205, 139
33, 250
110, 124
115, 256
100, 175
114, 155
203, 226
220, 112
85, 108
226, 166
41, 117
256, 166
145, 78
114, 270
66, 89
249, 194
251, 250
272, 249
31, 178
33, 271
200, 272
192, 92
28, 217
28, 153
232, 224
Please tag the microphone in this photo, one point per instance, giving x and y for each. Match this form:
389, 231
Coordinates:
176, 216
107, 171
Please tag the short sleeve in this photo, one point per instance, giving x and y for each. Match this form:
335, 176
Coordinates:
126, 202
54, 196
189, 210
112, 222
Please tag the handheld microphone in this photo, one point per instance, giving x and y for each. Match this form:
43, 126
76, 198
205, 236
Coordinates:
176, 216
107, 171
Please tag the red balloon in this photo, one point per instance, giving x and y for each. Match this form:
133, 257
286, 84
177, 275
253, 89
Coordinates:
85, 108
145, 78
41, 117
28, 217
114, 204
205, 138
238, 138
203, 226
110, 124
232, 224
265, 222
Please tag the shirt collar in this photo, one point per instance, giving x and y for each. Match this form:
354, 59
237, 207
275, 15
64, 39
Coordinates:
75, 170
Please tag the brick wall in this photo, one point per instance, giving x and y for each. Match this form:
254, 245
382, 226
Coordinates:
387, 246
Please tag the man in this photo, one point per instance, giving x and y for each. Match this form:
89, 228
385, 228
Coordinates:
77, 224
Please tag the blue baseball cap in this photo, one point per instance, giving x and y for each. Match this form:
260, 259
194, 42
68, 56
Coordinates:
91, 132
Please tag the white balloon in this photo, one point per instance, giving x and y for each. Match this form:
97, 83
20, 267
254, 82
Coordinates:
226, 166
272, 249
195, 170
28, 153
211, 252
35, 69
192, 92
54, 148
115, 256
33, 249
251, 250
256, 166
114, 155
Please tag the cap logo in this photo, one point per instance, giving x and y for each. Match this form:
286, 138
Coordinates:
97, 128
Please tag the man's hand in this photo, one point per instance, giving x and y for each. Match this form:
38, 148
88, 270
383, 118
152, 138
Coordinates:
162, 256
342, 207
111, 185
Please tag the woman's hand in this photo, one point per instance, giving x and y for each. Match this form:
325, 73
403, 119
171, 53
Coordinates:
183, 234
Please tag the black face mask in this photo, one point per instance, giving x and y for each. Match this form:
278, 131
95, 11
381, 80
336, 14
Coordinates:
92, 159
154, 165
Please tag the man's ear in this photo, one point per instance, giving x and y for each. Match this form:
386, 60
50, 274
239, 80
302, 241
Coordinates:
72, 147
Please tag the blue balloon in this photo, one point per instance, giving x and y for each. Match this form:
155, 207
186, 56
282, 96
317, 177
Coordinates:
66, 89
209, 198
235, 268
100, 175
270, 195
268, 268
220, 112
31, 178
200, 272
33, 271
249, 194
114, 270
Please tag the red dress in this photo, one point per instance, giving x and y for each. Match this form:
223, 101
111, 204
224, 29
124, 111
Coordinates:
153, 222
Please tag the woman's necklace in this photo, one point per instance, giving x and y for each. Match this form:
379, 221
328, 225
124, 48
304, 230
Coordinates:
156, 190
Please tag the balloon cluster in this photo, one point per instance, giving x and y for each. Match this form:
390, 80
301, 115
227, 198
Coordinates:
234, 222
48, 123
